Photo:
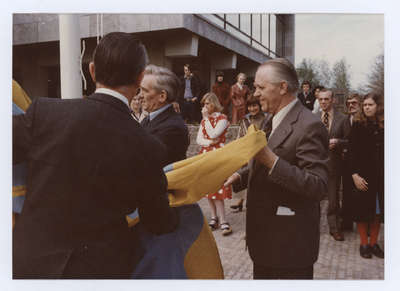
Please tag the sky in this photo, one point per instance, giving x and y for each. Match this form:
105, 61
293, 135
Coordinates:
357, 37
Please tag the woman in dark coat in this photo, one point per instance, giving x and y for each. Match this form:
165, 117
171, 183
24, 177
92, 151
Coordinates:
366, 161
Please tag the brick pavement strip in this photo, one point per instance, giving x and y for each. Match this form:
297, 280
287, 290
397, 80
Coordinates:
337, 260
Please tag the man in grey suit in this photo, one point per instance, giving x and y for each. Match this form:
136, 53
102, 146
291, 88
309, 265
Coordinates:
338, 126
285, 180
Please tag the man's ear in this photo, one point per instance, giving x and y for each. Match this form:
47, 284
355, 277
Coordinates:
283, 87
163, 97
91, 70
139, 78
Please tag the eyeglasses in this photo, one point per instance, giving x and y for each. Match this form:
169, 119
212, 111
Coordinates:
352, 103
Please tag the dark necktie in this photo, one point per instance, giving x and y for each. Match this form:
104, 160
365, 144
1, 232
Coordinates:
326, 121
145, 120
268, 128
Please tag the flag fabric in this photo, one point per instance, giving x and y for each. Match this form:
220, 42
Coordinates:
190, 252
20, 103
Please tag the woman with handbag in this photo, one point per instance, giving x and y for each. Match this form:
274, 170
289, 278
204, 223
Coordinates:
366, 162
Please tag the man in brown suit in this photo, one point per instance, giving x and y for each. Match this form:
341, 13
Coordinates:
338, 127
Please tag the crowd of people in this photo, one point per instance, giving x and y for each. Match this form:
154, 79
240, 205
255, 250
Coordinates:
89, 166
356, 152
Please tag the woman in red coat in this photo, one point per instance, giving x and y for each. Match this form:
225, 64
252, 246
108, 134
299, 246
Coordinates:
222, 90
212, 136
366, 161
239, 93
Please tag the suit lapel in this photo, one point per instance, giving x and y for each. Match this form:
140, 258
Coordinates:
335, 123
161, 117
281, 133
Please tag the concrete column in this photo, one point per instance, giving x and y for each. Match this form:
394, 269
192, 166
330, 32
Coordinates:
182, 46
71, 80
224, 61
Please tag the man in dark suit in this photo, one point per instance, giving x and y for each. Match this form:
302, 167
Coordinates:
338, 127
159, 88
89, 165
285, 181
189, 94
307, 97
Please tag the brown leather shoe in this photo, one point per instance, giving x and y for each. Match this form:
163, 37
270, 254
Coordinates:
337, 236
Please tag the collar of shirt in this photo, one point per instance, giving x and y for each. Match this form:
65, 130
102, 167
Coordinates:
154, 114
114, 94
281, 115
240, 86
331, 112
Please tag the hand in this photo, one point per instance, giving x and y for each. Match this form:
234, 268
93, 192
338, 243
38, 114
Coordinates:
193, 99
214, 141
266, 157
233, 179
360, 183
204, 112
333, 142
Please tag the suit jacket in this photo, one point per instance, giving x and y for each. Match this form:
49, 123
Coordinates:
169, 128
339, 129
298, 181
89, 165
307, 102
194, 86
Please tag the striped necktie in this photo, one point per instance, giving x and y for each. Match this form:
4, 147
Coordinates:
326, 121
268, 128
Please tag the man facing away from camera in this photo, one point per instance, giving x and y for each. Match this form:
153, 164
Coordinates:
89, 165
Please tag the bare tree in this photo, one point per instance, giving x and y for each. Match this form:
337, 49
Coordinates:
325, 74
307, 70
340, 74
376, 78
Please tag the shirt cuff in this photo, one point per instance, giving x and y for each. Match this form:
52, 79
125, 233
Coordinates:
272, 168
240, 179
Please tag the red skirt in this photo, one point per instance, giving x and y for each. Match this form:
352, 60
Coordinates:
223, 193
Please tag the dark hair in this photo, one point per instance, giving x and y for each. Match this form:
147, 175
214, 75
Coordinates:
118, 59
188, 66
316, 88
283, 71
165, 80
252, 100
378, 99
220, 73
305, 82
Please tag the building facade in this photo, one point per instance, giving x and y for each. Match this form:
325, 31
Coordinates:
232, 43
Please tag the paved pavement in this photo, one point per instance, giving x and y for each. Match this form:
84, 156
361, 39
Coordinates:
337, 260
